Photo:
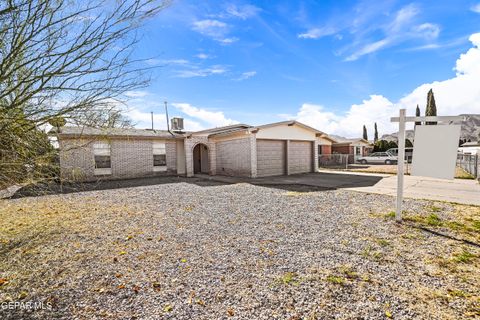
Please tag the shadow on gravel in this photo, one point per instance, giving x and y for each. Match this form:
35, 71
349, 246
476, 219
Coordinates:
41, 189
443, 235
307, 182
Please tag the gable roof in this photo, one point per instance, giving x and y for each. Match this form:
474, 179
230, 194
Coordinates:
78, 131
223, 130
294, 122
471, 144
350, 141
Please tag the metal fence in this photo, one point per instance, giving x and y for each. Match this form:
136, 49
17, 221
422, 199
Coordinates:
470, 163
335, 161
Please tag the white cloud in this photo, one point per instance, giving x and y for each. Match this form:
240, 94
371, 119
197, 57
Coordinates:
195, 71
243, 12
316, 33
211, 118
215, 29
454, 96
136, 94
143, 120
202, 56
403, 28
476, 8
369, 48
246, 75
428, 31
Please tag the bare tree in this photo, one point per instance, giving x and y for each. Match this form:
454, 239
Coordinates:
68, 59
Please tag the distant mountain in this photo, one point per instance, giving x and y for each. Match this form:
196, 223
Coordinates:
470, 129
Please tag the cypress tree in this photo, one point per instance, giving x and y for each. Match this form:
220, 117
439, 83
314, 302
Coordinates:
431, 109
365, 136
417, 113
375, 137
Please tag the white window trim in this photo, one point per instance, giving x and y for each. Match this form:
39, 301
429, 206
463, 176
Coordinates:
159, 148
102, 149
102, 171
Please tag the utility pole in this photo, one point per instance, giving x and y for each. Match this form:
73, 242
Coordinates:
151, 114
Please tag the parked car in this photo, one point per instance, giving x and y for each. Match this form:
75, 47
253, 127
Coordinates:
378, 157
408, 153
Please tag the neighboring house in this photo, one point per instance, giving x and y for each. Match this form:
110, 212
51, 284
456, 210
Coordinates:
470, 148
238, 150
357, 147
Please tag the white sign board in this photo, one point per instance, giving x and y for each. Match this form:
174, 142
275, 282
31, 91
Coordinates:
435, 151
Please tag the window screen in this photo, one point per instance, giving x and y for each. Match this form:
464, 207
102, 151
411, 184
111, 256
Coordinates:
101, 152
159, 154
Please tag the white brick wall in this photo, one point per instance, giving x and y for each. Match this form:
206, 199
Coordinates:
130, 158
234, 157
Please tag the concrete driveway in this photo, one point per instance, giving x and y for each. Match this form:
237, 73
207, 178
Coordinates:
458, 190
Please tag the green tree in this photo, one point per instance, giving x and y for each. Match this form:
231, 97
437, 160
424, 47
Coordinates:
417, 113
375, 135
381, 146
392, 144
431, 109
365, 135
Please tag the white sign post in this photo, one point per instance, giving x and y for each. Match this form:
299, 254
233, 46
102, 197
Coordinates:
402, 120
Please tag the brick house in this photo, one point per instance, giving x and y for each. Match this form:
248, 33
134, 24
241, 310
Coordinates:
356, 147
287, 147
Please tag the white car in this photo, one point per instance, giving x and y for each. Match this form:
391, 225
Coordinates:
378, 157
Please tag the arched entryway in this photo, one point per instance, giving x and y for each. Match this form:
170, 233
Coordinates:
200, 159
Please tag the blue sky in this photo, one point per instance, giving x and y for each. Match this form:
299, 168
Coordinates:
333, 64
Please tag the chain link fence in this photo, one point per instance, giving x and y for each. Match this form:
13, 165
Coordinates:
470, 163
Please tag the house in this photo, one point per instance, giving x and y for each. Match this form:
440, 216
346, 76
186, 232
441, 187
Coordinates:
286, 147
472, 147
357, 147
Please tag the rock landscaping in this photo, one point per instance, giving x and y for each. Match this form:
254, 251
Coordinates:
189, 251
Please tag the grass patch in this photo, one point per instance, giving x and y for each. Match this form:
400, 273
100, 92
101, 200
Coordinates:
383, 242
336, 280
434, 220
289, 278
464, 257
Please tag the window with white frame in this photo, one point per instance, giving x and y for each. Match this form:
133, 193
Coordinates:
101, 153
159, 156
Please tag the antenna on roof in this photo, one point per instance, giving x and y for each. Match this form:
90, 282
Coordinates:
166, 113
151, 113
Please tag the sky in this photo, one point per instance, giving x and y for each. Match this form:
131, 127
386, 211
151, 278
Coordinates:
334, 65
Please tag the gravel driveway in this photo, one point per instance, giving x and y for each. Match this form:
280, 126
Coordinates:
183, 251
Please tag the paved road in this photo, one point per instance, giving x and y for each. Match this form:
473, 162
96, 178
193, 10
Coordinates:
458, 190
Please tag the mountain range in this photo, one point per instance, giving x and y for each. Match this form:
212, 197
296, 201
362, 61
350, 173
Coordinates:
470, 129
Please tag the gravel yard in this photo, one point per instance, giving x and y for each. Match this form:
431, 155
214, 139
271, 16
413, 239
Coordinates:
186, 251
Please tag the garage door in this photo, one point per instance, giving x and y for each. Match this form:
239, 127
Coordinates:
300, 157
270, 158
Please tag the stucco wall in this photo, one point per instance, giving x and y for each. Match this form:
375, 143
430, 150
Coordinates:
234, 157
286, 132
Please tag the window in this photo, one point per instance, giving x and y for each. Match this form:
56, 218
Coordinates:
159, 157
101, 153
319, 149
358, 150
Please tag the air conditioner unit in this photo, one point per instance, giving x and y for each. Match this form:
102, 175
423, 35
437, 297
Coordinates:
177, 124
